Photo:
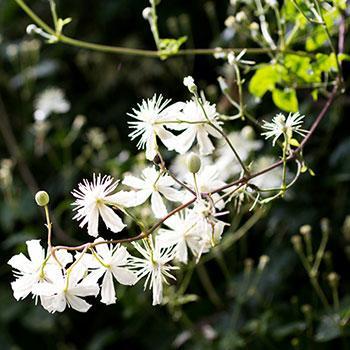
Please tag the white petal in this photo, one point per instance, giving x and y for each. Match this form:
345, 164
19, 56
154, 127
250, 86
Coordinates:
103, 251
77, 303
111, 219
184, 141
158, 206
151, 147
107, 290
205, 145
21, 263
36, 251
171, 194
124, 276
83, 289
133, 182
23, 286
93, 222
181, 252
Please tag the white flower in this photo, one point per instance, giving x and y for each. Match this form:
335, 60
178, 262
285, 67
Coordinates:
227, 163
51, 100
31, 272
92, 200
67, 290
152, 184
207, 180
209, 229
270, 179
181, 234
195, 123
150, 119
154, 265
281, 125
109, 262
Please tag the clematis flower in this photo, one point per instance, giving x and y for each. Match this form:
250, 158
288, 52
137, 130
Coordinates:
196, 127
67, 290
281, 125
31, 272
208, 228
181, 233
244, 143
51, 100
109, 262
207, 180
93, 200
151, 116
152, 184
154, 265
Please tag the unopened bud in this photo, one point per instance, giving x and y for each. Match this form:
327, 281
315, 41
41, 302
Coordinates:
306, 309
305, 230
296, 241
346, 228
264, 259
254, 27
248, 265
147, 13
193, 163
189, 83
230, 21
325, 225
241, 16
248, 132
333, 279
223, 85
42, 198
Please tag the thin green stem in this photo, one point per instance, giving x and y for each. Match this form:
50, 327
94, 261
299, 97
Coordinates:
284, 159
141, 52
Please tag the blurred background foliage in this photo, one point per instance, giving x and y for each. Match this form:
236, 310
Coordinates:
230, 302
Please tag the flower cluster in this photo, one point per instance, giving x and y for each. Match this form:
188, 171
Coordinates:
187, 199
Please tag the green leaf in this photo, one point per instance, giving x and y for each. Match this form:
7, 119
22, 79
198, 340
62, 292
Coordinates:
169, 47
285, 99
265, 79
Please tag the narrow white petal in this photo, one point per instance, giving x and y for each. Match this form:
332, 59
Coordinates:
133, 182
107, 290
111, 219
158, 206
124, 276
205, 145
77, 303
93, 223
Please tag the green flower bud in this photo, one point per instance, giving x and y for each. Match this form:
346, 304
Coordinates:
42, 198
193, 163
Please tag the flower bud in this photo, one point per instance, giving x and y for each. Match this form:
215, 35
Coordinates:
305, 230
296, 241
189, 83
230, 21
248, 132
333, 279
306, 309
147, 13
193, 163
42, 198
223, 85
264, 259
